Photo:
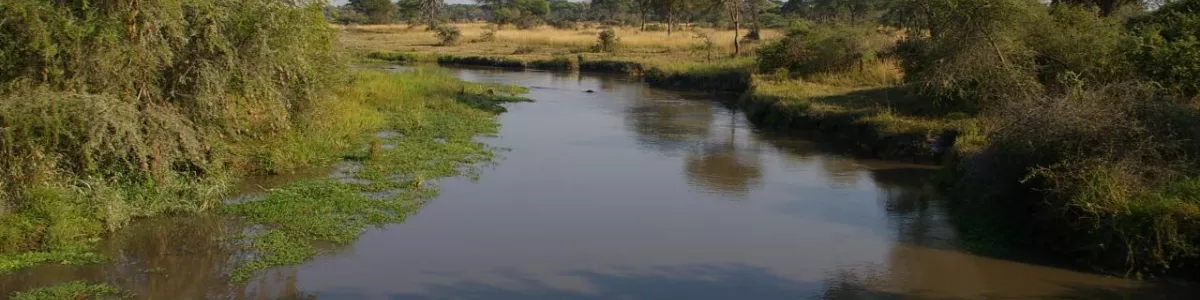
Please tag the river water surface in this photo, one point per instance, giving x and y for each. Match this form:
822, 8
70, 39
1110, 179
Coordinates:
625, 193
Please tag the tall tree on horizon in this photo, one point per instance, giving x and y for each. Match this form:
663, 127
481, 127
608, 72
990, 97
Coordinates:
377, 11
734, 9
431, 12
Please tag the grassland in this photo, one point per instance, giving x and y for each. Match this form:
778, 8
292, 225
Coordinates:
698, 58
693, 45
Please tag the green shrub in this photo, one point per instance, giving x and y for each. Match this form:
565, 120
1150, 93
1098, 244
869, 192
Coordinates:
607, 41
448, 34
1168, 41
810, 50
1076, 42
974, 54
150, 111
1106, 175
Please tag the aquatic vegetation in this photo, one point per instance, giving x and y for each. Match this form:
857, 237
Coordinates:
435, 131
74, 255
74, 290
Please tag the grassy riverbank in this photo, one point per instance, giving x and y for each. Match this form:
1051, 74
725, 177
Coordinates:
162, 115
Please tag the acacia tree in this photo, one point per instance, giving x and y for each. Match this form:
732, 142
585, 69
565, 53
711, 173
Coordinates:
734, 9
668, 9
376, 11
431, 12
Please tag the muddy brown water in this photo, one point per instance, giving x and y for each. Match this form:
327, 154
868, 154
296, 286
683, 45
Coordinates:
626, 193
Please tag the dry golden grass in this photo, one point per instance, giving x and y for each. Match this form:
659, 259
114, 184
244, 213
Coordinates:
545, 41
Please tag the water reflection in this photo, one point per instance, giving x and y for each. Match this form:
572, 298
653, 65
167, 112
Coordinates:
725, 166
178, 257
668, 124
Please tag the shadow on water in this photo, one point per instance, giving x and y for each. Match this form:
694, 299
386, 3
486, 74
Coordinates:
175, 257
178, 256
709, 281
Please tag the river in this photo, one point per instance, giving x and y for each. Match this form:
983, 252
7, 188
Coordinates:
627, 192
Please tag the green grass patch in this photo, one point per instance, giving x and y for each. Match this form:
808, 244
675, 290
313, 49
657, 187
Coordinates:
74, 290
74, 255
884, 120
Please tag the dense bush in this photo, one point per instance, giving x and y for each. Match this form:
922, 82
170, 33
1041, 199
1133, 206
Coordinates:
974, 54
347, 15
111, 111
607, 41
448, 35
1091, 144
821, 49
1106, 175
1076, 45
1167, 46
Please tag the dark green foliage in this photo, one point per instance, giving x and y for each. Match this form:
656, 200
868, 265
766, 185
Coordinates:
809, 49
1078, 46
376, 11
464, 12
499, 62
408, 11
524, 13
347, 15
113, 110
607, 41
714, 79
1104, 175
974, 55
1167, 46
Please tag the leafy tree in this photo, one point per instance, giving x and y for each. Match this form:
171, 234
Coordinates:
526, 12
408, 10
347, 15
567, 10
1168, 46
376, 11
464, 12
610, 10
431, 12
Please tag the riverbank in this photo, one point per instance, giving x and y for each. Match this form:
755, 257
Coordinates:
394, 133
878, 120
